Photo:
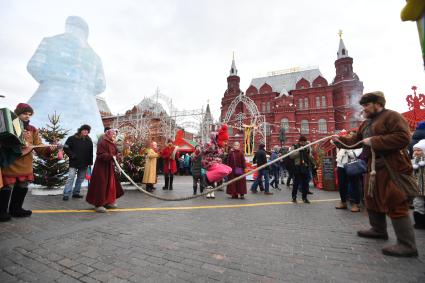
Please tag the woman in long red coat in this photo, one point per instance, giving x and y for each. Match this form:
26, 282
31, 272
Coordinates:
105, 187
236, 160
169, 156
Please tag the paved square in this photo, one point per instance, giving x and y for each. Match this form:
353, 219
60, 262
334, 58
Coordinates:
204, 241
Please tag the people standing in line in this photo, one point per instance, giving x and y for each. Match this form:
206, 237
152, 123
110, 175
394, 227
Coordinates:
149, 175
169, 155
197, 176
387, 133
302, 162
347, 183
419, 201
17, 175
236, 160
274, 168
260, 159
79, 148
105, 187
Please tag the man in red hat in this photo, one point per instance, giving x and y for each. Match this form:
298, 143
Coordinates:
169, 154
18, 174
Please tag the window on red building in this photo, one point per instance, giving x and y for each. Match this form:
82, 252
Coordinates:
284, 124
323, 126
323, 101
317, 101
300, 103
304, 127
306, 103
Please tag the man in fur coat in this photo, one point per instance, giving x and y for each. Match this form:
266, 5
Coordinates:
387, 133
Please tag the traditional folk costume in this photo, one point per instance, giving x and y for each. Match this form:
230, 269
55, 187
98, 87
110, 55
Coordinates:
17, 175
149, 174
211, 158
105, 187
390, 137
236, 160
169, 155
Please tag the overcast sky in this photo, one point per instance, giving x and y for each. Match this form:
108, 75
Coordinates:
185, 47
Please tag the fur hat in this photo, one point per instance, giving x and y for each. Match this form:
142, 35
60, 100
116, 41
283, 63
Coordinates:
222, 135
374, 97
420, 145
84, 127
22, 108
302, 139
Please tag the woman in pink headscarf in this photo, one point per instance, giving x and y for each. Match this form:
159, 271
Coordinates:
105, 187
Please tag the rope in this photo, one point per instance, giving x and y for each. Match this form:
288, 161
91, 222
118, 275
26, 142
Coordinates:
210, 189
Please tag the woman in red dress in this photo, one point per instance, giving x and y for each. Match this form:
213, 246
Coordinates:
236, 160
105, 187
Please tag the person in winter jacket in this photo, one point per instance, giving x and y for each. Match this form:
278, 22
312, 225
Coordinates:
419, 201
79, 148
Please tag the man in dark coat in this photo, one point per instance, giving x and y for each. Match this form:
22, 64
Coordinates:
386, 133
260, 159
79, 149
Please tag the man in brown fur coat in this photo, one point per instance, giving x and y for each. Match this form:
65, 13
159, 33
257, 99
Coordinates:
387, 133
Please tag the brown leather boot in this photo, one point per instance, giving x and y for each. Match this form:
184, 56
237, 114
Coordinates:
406, 243
379, 226
341, 205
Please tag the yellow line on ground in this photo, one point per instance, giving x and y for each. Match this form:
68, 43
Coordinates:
45, 211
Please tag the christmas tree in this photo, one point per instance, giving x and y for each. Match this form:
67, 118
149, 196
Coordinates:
49, 170
133, 160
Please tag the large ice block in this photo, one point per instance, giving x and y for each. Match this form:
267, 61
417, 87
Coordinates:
70, 74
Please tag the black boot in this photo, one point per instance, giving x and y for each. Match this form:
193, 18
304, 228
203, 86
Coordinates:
419, 220
4, 204
149, 188
16, 202
195, 188
165, 187
171, 183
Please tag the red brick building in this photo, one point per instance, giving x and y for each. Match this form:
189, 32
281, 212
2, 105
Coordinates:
299, 100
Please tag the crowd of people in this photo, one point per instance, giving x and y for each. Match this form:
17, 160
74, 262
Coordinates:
393, 181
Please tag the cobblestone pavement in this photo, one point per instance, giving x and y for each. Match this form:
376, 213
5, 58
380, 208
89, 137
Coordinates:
268, 243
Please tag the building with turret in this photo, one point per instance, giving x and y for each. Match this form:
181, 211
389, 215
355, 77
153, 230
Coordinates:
293, 102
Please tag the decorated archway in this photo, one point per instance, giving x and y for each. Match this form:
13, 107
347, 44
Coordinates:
251, 123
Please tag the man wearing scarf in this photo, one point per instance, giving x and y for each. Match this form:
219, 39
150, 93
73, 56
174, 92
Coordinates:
17, 175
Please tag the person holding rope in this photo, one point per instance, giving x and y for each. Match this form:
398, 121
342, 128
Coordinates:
105, 187
385, 136
17, 175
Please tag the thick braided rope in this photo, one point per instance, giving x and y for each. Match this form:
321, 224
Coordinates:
210, 189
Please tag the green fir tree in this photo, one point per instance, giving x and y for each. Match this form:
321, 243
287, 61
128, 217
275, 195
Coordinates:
49, 171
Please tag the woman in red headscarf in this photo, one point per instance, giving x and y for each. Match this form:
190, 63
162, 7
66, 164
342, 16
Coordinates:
105, 187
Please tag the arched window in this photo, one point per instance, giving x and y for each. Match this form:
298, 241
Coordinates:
323, 126
306, 103
284, 124
323, 101
304, 127
317, 101
300, 103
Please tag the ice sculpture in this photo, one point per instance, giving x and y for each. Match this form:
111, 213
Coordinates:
70, 75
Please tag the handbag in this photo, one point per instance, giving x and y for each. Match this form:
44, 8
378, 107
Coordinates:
238, 171
356, 167
407, 183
